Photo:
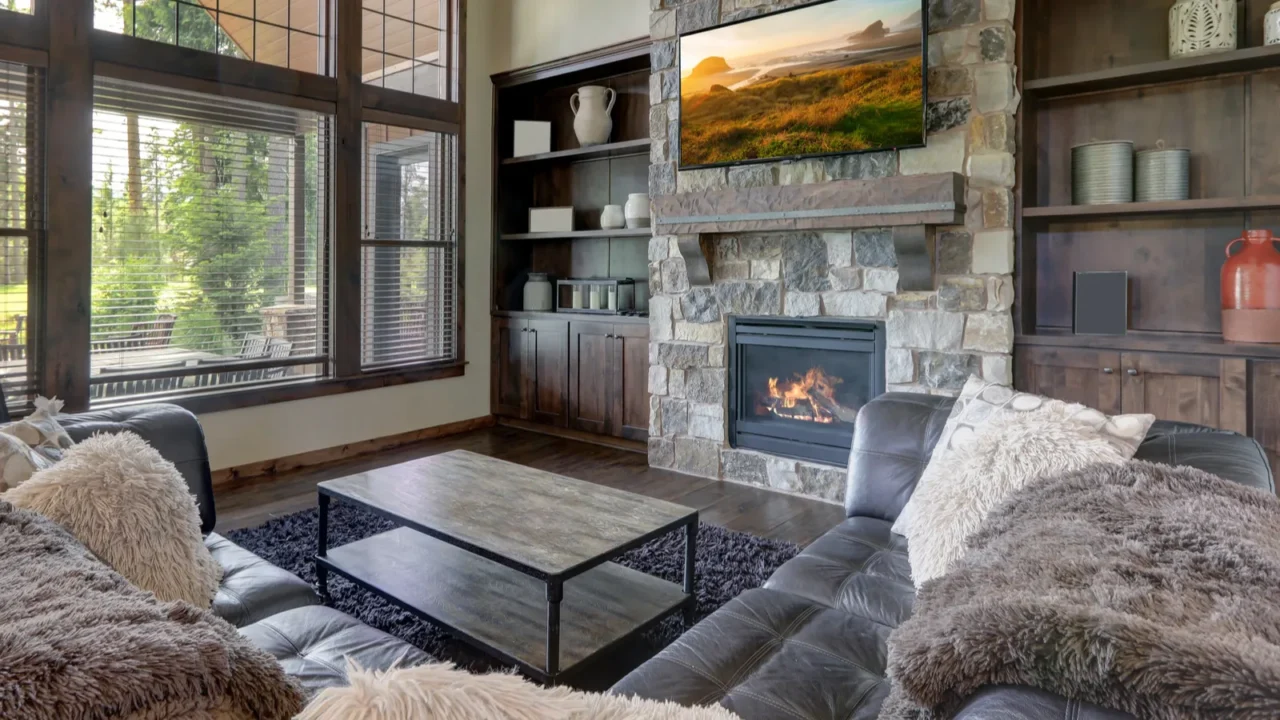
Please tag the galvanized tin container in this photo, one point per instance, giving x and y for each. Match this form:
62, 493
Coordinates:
1162, 174
1102, 173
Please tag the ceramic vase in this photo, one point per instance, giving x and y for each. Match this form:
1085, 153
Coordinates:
1251, 290
1272, 24
1201, 27
591, 106
537, 292
612, 218
637, 210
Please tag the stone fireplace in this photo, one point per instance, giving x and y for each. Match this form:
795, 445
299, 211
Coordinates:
796, 384
938, 283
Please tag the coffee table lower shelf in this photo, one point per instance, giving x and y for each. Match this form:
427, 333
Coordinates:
502, 611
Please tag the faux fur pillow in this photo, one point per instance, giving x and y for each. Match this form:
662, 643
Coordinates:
1007, 452
131, 507
443, 692
980, 400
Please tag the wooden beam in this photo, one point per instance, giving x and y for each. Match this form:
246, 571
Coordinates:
459, 210
64, 364
348, 143
24, 30
210, 87
403, 103
180, 62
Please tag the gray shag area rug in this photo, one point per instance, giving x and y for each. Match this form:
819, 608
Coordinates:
728, 563
1140, 587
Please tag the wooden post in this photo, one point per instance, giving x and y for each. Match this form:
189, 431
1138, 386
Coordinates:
346, 187
64, 364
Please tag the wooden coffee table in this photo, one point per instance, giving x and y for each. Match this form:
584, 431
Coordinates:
512, 560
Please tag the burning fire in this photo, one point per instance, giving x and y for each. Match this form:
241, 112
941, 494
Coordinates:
810, 397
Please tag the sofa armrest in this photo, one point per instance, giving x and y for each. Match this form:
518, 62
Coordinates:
1015, 702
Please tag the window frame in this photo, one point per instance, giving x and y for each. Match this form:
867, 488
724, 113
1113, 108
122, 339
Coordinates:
63, 292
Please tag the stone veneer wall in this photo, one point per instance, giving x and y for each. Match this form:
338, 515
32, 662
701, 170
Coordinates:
935, 339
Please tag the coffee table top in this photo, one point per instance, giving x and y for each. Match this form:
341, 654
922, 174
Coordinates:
542, 523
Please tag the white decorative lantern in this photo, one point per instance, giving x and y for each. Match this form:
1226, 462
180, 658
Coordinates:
1201, 27
1273, 25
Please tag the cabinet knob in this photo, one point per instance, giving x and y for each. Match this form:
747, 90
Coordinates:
1108, 371
1133, 372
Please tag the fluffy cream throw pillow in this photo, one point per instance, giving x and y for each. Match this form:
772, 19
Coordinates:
441, 691
132, 509
1005, 453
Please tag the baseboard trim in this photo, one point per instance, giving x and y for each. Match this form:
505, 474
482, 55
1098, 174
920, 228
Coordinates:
586, 437
231, 477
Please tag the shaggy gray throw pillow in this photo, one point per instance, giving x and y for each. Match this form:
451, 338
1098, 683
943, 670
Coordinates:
1141, 587
77, 640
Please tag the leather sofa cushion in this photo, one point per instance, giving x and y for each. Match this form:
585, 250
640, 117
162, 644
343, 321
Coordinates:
314, 643
1225, 454
859, 567
252, 588
892, 442
769, 654
171, 430
1016, 702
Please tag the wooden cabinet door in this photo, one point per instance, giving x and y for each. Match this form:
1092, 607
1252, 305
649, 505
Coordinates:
630, 384
1189, 388
1088, 377
509, 384
1264, 397
548, 371
591, 346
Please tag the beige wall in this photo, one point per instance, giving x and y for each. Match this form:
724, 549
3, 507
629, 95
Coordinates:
262, 433
536, 31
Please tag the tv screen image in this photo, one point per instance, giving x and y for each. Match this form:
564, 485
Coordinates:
835, 77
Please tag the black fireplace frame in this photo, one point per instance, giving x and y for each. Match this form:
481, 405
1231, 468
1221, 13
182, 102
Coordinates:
817, 443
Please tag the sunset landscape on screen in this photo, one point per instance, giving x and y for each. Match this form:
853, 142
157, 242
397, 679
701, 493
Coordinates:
842, 76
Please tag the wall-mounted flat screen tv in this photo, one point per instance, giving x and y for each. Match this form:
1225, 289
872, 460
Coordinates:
833, 77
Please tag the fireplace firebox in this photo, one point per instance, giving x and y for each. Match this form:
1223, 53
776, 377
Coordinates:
796, 385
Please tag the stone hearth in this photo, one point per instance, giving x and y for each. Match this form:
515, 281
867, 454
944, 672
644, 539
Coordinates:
936, 338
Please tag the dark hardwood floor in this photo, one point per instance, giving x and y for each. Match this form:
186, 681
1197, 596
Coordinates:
737, 507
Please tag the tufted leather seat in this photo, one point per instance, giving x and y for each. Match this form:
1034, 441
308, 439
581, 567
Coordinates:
314, 644
252, 588
812, 644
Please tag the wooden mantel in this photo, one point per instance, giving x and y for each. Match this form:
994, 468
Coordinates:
912, 205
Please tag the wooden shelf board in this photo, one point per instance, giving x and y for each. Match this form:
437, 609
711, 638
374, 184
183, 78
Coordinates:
1184, 343
569, 316
626, 147
1204, 205
578, 234
1164, 71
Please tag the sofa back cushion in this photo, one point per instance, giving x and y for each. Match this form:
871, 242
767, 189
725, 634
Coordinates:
895, 435
892, 442
171, 430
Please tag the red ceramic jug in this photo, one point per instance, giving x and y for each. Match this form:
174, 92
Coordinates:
1251, 290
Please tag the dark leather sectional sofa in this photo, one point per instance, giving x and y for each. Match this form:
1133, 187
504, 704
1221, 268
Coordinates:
812, 643
275, 609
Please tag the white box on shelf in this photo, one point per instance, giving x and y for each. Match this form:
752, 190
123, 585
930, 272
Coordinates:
532, 138
554, 219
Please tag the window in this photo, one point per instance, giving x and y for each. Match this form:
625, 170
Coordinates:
411, 45
287, 33
22, 6
409, 255
210, 241
20, 225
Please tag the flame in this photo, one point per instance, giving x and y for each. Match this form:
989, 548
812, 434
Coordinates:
808, 397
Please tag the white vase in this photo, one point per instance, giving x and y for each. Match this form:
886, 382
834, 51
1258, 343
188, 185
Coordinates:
612, 218
1201, 27
637, 210
591, 121
537, 292
1272, 25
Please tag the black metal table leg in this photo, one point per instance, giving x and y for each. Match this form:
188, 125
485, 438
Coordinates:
322, 546
555, 593
690, 560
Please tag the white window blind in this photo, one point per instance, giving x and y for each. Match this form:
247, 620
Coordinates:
21, 225
409, 283
210, 243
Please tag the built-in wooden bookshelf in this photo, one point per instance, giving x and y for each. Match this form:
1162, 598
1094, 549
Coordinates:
1099, 70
